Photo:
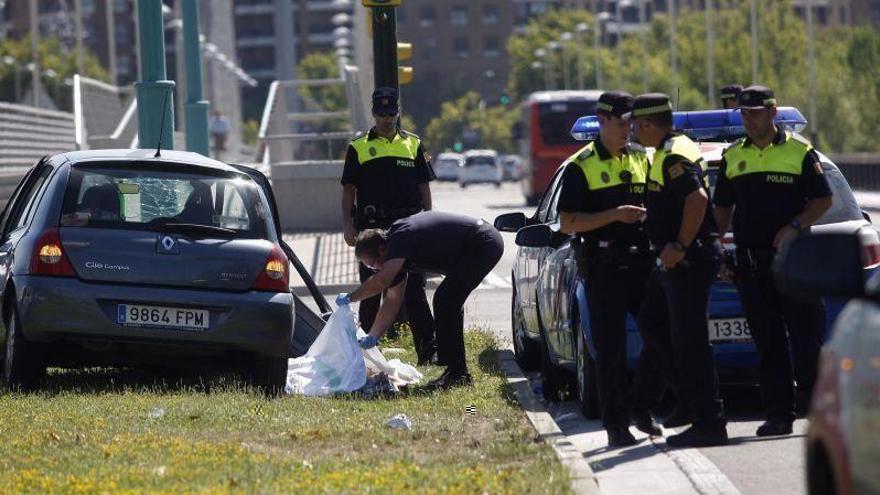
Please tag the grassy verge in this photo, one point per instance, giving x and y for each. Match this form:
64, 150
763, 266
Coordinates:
123, 431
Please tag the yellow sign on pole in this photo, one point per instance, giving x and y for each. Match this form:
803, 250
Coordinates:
380, 3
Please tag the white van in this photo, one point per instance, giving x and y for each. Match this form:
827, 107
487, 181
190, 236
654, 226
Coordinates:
481, 167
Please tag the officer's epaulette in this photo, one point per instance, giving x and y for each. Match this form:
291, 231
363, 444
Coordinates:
735, 143
409, 134
359, 135
797, 137
635, 147
582, 155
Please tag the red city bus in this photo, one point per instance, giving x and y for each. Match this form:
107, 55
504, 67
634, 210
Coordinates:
544, 135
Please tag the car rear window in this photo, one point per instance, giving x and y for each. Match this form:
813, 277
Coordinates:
147, 198
479, 160
448, 162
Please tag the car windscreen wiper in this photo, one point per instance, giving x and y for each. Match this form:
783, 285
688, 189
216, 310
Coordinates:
196, 229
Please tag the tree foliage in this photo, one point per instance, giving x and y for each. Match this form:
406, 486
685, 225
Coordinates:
847, 62
492, 125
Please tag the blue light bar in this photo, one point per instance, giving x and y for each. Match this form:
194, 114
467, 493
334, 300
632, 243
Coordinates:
702, 125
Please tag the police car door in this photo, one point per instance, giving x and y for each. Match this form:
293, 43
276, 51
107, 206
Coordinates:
555, 283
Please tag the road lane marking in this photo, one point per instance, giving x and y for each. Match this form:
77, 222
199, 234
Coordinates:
703, 473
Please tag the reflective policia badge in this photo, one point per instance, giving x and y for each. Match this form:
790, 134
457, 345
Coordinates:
372, 151
605, 177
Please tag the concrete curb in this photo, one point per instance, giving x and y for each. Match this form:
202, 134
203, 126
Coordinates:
583, 480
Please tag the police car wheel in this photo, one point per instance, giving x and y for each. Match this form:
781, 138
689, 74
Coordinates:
526, 352
587, 388
24, 362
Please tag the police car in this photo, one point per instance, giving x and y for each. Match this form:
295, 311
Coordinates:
550, 318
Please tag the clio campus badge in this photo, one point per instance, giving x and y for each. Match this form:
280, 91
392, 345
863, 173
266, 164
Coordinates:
167, 244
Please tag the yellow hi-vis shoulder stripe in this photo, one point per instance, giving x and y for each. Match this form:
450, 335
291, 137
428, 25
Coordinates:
785, 158
601, 174
677, 145
405, 147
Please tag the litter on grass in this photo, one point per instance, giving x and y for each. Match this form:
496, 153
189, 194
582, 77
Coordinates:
400, 422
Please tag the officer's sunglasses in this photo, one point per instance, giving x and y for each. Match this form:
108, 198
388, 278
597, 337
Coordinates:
387, 113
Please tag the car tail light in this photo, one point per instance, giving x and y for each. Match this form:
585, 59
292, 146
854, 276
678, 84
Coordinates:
49, 257
275, 275
870, 241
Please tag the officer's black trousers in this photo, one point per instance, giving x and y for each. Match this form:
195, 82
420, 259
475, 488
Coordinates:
417, 310
770, 314
616, 287
480, 254
674, 325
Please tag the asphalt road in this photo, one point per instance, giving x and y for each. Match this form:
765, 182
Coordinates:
748, 465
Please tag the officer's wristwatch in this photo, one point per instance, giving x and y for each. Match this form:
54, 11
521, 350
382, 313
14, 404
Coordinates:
796, 225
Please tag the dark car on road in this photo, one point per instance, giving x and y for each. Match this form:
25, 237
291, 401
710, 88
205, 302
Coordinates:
120, 258
550, 317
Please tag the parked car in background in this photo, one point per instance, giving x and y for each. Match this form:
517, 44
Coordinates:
480, 167
120, 258
447, 166
512, 167
550, 317
843, 436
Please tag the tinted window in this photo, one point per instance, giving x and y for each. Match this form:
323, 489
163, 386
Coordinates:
844, 206
479, 160
148, 198
556, 119
447, 162
549, 198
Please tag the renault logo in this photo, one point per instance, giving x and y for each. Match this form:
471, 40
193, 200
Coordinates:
168, 243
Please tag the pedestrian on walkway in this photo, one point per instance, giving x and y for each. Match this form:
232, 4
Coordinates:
602, 203
386, 177
462, 248
673, 320
771, 185
219, 133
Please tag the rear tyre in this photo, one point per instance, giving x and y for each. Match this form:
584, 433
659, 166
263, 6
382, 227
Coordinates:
820, 476
587, 387
24, 362
269, 375
527, 354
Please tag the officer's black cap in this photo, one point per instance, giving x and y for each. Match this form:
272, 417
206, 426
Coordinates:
731, 91
616, 103
756, 97
651, 104
385, 101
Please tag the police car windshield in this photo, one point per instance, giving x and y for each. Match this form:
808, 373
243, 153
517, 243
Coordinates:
149, 198
479, 160
553, 116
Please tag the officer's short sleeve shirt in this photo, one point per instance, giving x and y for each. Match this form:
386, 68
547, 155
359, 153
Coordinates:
351, 168
573, 196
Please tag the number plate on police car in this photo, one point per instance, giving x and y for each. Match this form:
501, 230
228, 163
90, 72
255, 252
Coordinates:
162, 317
729, 330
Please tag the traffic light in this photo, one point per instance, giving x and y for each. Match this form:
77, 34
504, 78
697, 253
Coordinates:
404, 51
380, 3
505, 99
404, 75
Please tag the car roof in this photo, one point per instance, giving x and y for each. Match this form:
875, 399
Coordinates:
449, 154
145, 155
470, 153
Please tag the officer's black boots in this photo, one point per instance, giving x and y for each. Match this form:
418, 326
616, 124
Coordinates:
619, 436
772, 428
646, 424
449, 379
700, 435
680, 416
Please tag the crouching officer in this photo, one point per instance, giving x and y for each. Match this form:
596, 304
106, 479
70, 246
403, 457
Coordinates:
772, 185
673, 319
386, 178
462, 248
602, 201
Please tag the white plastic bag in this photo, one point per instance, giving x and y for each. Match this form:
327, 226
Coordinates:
399, 373
334, 362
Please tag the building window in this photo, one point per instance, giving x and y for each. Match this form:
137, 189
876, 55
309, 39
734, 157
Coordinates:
492, 48
458, 16
461, 47
490, 14
427, 16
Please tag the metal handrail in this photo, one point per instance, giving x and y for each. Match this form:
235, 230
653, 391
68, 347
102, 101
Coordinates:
262, 155
78, 126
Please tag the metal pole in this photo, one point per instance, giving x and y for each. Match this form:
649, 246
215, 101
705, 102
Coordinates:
180, 60
754, 24
78, 27
673, 50
644, 33
17, 70
154, 91
35, 56
619, 49
812, 72
196, 108
111, 39
710, 55
597, 57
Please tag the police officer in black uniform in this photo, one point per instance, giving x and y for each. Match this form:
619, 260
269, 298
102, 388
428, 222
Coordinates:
602, 201
673, 319
462, 248
772, 185
386, 177
730, 96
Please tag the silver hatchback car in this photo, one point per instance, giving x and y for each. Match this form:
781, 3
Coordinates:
120, 258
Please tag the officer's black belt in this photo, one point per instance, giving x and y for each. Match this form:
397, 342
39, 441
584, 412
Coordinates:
371, 212
698, 243
606, 248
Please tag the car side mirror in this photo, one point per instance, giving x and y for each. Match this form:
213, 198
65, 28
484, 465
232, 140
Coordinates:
823, 264
535, 236
510, 222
